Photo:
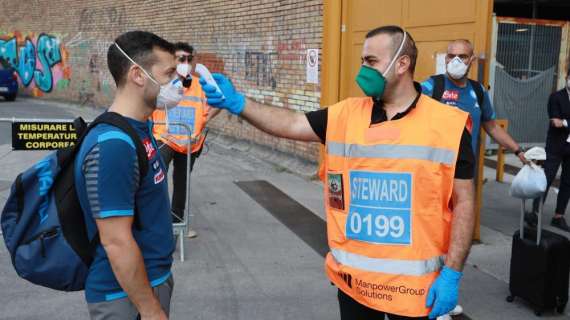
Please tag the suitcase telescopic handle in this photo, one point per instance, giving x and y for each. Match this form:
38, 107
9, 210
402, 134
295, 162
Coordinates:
539, 227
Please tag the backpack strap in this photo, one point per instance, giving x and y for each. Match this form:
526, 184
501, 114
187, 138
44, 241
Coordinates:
478, 88
438, 86
116, 120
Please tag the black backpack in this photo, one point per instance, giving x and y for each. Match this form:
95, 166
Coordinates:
439, 88
42, 222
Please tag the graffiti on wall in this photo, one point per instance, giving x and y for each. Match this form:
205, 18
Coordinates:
40, 62
259, 68
264, 67
93, 84
111, 19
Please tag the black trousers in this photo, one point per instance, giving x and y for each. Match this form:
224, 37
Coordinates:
179, 175
352, 310
551, 165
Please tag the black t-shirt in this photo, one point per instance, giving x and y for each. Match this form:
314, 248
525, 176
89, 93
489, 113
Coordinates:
465, 166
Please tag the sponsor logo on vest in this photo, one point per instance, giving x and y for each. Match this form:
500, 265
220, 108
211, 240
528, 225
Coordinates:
155, 165
149, 148
335, 191
347, 278
384, 291
45, 179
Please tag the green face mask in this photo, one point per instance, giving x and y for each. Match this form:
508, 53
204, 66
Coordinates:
371, 81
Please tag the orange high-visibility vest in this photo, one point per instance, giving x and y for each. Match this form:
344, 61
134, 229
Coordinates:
387, 196
193, 111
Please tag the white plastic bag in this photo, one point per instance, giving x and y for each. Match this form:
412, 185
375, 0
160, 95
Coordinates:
535, 153
529, 183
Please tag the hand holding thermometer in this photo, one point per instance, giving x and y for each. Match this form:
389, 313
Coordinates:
205, 73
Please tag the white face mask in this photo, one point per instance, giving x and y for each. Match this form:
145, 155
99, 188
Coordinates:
169, 95
456, 68
183, 69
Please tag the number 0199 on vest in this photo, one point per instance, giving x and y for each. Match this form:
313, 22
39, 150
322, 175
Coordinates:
380, 207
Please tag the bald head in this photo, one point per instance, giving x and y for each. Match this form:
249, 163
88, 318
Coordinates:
463, 45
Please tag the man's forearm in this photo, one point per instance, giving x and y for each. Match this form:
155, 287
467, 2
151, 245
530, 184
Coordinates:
128, 266
212, 114
462, 226
280, 122
501, 136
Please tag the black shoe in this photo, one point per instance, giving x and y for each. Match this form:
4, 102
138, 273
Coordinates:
560, 223
531, 219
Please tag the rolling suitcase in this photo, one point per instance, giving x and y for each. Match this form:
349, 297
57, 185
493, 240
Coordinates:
540, 264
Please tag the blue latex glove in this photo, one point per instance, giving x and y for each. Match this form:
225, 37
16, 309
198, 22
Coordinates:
234, 101
443, 294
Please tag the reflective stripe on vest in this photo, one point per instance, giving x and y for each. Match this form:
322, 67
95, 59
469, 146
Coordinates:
184, 141
391, 152
192, 98
389, 266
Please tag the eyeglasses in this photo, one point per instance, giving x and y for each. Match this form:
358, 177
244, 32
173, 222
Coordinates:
463, 57
184, 58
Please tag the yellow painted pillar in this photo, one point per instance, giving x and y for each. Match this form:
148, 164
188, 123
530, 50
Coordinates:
501, 153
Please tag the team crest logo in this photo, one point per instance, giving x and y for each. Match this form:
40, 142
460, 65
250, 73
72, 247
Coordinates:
149, 148
335, 191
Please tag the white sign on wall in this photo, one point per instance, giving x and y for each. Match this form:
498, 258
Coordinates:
313, 66
440, 63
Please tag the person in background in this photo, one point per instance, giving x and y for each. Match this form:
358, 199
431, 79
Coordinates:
173, 139
557, 153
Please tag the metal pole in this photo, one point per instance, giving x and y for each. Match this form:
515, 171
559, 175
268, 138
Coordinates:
532, 34
14, 119
184, 226
531, 51
188, 175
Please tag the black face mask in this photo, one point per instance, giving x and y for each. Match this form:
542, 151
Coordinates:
186, 83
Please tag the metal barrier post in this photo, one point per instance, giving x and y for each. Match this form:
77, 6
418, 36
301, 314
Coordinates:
183, 227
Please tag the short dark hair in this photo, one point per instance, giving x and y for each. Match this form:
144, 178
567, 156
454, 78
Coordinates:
184, 46
397, 35
139, 46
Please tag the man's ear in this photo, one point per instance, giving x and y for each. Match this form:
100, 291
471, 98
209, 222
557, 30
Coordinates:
473, 58
403, 64
136, 75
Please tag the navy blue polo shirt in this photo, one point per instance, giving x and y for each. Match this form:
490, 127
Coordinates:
107, 182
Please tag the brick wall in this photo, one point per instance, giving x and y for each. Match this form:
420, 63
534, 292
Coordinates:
60, 49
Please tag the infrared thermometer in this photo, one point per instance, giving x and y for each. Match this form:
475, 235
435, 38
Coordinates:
205, 73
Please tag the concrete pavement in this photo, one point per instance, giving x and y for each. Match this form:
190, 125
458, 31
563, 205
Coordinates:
245, 263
